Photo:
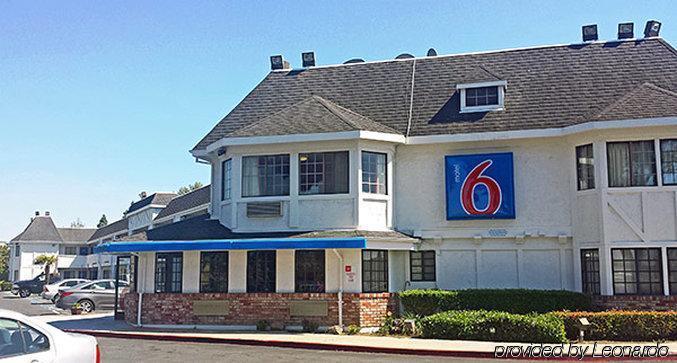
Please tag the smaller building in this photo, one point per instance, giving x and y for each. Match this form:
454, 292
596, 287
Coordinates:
42, 237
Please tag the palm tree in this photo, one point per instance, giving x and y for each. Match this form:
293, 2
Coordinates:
47, 261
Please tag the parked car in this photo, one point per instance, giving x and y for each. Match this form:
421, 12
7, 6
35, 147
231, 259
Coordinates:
25, 339
99, 294
25, 288
51, 291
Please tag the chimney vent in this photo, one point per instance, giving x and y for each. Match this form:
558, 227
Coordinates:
37, 213
47, 213
626, 31
589, 33
652, 29
276, 62
308, 59
143, 195
432, 52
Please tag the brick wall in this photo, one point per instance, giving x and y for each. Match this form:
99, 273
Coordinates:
365, 310
636, 302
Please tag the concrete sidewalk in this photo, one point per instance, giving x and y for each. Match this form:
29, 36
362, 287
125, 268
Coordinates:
103, 325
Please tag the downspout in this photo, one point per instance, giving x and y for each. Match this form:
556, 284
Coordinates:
138, 291
340, 290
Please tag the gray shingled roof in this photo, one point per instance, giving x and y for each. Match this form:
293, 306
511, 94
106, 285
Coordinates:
187, 201
203, 228
647, 100
76, 234
41, 228
110, 228
548, 87
155, 199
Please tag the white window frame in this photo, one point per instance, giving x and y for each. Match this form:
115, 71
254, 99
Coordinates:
462, 87
226, 185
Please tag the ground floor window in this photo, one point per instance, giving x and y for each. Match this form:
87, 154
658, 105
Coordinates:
422, 265
374, 270
590, 271
261, 271
309, 271
637, 271
93, 274
82, 274
168, 272
672, 270
68, 274
214, 271
106, 274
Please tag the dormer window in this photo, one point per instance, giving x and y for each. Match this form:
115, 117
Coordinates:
482, 97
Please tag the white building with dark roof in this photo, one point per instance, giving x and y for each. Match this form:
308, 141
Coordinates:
334, 187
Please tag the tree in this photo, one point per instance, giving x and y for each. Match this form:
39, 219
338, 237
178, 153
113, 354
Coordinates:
77, 224
102, 222
47, 261
4, 261
189, 188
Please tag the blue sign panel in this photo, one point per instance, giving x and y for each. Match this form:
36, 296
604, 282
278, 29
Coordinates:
480, 186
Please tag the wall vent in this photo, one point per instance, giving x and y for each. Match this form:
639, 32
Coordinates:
264, 210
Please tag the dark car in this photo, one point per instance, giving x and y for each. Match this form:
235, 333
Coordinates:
25, 288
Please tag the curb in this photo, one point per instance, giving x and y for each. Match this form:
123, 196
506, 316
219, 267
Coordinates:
332, 347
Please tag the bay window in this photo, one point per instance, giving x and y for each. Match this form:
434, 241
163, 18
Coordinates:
323, 173
374, 172
265, 175
585, 167
226, 177
631, 164
669, 161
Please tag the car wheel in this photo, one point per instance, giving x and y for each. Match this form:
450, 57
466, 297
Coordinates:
87, 306
24, 293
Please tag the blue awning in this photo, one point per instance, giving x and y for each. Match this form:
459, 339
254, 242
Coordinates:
232, 244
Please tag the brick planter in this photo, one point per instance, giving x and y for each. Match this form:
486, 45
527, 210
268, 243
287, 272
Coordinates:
636, 302
365, 310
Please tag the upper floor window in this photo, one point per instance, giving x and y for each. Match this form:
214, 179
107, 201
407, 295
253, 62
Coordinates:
70, 250
669, 161
482, 97
265, 175
374, 172
585, 167
17, 250
226, 176
323, 173
631, 164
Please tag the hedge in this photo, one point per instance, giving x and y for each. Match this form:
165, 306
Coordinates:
622, 325
516, 301
493, 326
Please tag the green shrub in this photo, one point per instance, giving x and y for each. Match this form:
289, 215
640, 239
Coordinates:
262, 325
623, 325
352, 330
516, 301
494, 326
5, 285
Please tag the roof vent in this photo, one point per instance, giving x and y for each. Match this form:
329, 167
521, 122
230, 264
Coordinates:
277, 62
308, 59
589, 32
143, 195
354, 60
404, 56
432, 52
37, 213
626, 31
46, 213
653, 27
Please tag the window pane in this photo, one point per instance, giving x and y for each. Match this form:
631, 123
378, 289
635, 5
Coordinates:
422, 265
374, 171
669, 161
374, 271
226, 177
13, 339
323, 173
309, 270
590, 271
637, 271
34, 340
481, 96
631, 163
265, 175
585, 167
214, 271
261, 271
168, 272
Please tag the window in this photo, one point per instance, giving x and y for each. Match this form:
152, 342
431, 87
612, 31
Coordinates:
669, 161
19, 339
672, 270
631, 164
374, 271
106, 274
374, 173
168, 272
637, 271
309, 270
481, 96
261, 271
214, 271
226, 177
84, 251
323, 173
68, 274
70, 250
17, 250
422, 265
265, 175
590, 271
585, 167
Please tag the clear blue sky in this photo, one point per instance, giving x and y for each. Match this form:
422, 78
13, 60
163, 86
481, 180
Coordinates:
100, 100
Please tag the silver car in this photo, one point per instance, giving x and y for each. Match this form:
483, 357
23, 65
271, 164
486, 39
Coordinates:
99, 294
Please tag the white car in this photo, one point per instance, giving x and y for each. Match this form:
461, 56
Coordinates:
51, 291
24, 339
